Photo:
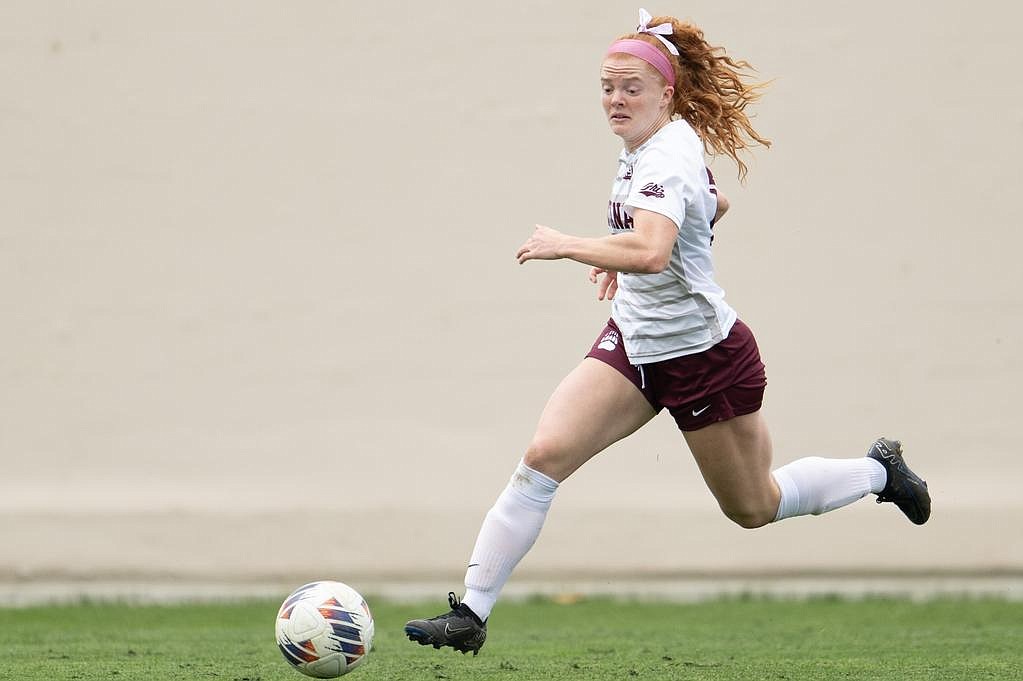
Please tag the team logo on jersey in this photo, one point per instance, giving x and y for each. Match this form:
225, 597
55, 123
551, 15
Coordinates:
609, 342
628, 172
651, 189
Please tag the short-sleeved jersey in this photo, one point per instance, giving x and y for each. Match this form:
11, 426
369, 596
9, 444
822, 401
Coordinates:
680, 311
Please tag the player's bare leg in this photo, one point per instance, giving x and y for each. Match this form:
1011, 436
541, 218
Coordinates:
735, 459
593, 407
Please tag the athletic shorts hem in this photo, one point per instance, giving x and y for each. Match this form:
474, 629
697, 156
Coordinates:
718, 384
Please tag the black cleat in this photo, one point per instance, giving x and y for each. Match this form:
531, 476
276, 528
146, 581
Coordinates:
461, 629
904, 487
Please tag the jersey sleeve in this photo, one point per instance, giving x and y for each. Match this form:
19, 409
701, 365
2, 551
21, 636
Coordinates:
658, 186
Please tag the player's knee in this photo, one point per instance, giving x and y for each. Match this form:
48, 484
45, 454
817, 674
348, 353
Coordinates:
749, 516
545, 455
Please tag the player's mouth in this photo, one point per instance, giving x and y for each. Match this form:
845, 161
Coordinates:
619, 117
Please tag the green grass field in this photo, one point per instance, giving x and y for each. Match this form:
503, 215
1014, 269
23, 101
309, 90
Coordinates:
538, 639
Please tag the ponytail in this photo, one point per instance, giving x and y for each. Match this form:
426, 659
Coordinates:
711, 91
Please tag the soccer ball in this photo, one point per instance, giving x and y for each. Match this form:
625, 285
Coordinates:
325, 629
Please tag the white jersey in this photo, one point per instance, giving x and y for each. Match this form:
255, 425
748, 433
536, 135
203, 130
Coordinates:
680, 311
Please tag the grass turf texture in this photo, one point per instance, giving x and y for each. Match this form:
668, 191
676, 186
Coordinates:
538, 639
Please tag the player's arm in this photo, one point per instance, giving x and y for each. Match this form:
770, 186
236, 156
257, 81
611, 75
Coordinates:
644, 250
722, 207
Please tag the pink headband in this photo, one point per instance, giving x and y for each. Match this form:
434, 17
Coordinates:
648, 53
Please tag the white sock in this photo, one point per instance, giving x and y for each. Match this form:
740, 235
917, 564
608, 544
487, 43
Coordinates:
507, 534
817, 485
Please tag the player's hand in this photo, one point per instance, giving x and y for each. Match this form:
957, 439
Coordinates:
608, 284
544, 244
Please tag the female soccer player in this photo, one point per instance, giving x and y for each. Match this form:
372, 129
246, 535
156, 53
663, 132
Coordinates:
672, 341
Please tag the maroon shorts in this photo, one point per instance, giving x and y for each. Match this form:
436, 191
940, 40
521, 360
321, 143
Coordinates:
720, 383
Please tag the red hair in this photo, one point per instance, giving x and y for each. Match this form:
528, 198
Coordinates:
712, 90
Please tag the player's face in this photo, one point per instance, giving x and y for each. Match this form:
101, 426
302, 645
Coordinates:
635, 98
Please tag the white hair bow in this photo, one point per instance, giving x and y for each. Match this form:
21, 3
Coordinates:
658, 31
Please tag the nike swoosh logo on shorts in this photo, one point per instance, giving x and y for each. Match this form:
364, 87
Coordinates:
697, 412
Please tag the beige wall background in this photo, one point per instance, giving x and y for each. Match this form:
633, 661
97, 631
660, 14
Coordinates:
261, 317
